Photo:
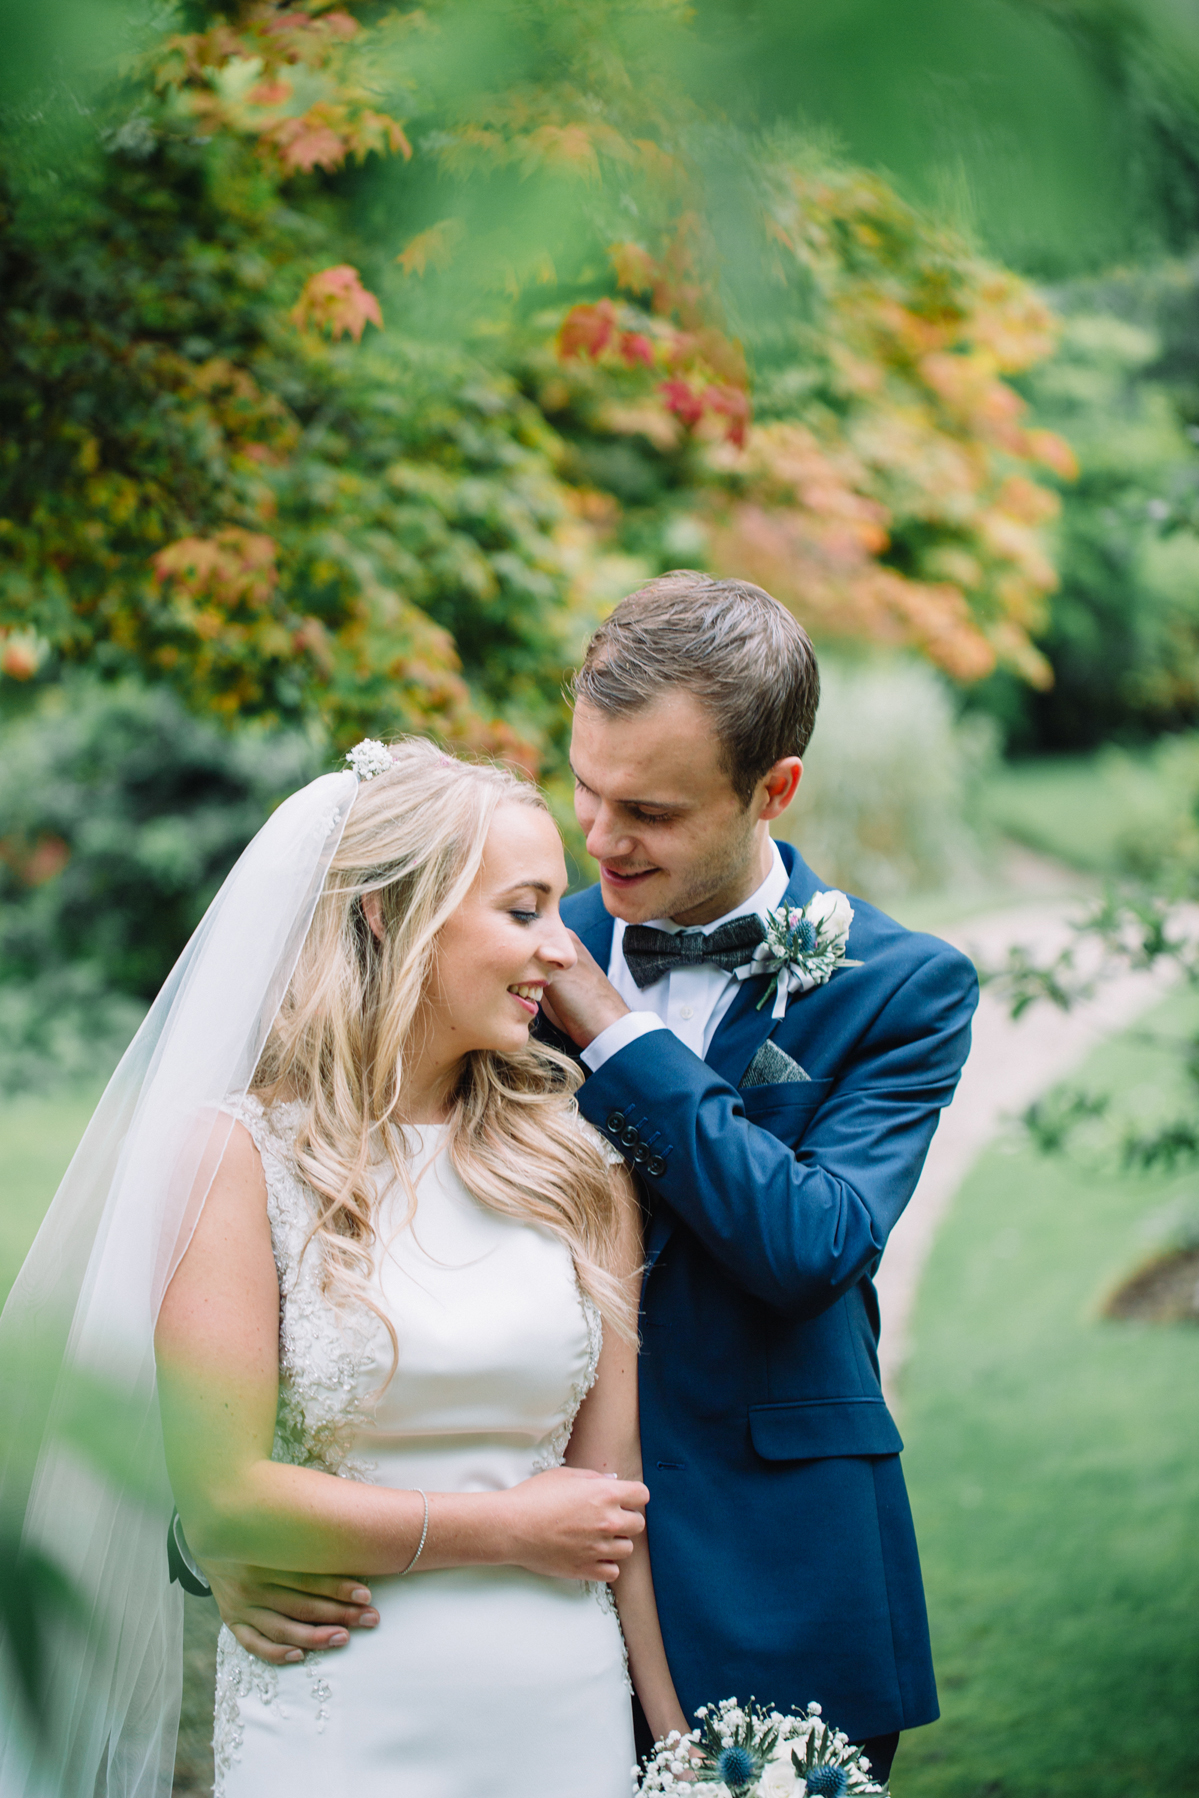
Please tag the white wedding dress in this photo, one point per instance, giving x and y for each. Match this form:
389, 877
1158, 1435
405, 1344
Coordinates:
478, 1682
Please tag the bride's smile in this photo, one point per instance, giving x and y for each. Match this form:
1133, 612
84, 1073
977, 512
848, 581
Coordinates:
495, 956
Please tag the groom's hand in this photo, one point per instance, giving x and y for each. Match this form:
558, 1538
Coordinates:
582, 1000
278, 1616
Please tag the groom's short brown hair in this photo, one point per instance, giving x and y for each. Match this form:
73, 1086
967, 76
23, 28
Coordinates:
738, 650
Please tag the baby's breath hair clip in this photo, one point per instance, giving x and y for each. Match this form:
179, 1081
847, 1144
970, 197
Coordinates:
369, 758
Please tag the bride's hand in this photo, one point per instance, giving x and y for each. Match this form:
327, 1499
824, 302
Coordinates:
575, 1524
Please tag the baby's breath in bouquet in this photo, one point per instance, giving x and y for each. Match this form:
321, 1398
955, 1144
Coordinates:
744, 1751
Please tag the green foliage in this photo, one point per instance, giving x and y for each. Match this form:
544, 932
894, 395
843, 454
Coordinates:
199, 487
281, 527
1065, 133
1125, 814
1123, 632
889, 782
120, 814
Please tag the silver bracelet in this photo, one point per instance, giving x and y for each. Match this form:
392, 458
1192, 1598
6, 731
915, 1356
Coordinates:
424, 1532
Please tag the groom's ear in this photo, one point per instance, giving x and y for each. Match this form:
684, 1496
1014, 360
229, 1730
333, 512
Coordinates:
778, 786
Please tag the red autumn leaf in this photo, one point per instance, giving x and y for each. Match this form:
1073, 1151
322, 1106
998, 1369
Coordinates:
732, 403
340, 24
287, 21
19, 656
587, 330
234, 567
681, 398
636, 347
35, 864
305, 144
336, 300
270, 93
569, 146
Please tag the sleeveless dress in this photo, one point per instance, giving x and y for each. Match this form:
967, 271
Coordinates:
479, 1682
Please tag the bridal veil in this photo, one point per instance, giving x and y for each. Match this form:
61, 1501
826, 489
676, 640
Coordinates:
82, 1471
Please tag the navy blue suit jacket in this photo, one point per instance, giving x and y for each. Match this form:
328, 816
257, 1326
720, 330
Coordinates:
783, 1552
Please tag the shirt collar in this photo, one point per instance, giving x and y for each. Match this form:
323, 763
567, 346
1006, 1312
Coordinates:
767, 898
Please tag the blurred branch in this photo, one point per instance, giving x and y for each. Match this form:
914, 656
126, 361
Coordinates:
1132, 931
1125, 933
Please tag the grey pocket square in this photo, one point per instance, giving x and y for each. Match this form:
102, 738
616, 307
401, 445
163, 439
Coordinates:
772, 1066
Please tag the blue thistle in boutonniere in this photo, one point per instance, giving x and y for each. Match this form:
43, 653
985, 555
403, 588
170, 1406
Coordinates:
803, 947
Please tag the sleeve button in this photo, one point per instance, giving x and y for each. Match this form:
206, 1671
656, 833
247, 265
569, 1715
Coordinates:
630, 1136
616, 1122
640, 1153
655, 1167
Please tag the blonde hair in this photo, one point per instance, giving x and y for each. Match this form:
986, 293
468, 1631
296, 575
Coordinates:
415, 836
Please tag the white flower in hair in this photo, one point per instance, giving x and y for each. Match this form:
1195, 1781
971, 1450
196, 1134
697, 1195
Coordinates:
369, 758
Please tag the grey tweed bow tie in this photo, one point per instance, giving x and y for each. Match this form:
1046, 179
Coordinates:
651, 953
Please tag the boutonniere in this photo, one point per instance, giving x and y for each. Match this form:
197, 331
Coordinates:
804, 946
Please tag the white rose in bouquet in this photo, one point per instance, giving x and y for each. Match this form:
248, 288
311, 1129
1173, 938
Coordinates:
780, 1780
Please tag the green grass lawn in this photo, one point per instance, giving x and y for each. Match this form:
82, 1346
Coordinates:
1065, 806
37, 1139
1112, 813
1053, 1461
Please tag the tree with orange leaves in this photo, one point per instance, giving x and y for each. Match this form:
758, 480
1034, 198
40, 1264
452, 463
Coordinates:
209, 484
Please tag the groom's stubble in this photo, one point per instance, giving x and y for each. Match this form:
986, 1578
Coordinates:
671, 835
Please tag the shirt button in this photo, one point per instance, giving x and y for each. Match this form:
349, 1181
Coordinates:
686, 1011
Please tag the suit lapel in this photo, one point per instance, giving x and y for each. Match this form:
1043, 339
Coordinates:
739, 1035
743, 1028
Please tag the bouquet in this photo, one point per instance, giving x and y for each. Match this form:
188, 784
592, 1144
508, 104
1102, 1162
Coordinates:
744, 1751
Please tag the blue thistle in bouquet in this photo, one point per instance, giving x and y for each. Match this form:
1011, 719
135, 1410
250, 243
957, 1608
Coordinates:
735, 1745
825, 1781
746, 1751
829, 1766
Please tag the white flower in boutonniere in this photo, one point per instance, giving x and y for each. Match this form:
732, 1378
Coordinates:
804, 947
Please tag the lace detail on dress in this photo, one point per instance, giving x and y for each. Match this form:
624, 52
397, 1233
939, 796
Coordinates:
324, 1347
324, 1350
238, 1676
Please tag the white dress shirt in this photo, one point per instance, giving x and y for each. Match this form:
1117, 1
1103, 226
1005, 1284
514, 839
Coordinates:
691, 1001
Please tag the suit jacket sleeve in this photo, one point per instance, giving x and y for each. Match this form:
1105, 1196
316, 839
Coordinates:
798, 1207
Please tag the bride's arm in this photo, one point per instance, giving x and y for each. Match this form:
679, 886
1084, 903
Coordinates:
606, 1439
217, 1350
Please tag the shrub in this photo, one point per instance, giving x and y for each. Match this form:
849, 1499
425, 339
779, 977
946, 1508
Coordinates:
120, 815
882, 809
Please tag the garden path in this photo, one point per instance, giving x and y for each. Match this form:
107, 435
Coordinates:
1011, 1064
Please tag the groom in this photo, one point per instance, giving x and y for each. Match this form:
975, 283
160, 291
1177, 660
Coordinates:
776, 1148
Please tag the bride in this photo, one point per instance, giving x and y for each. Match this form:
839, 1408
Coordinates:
391, 1287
